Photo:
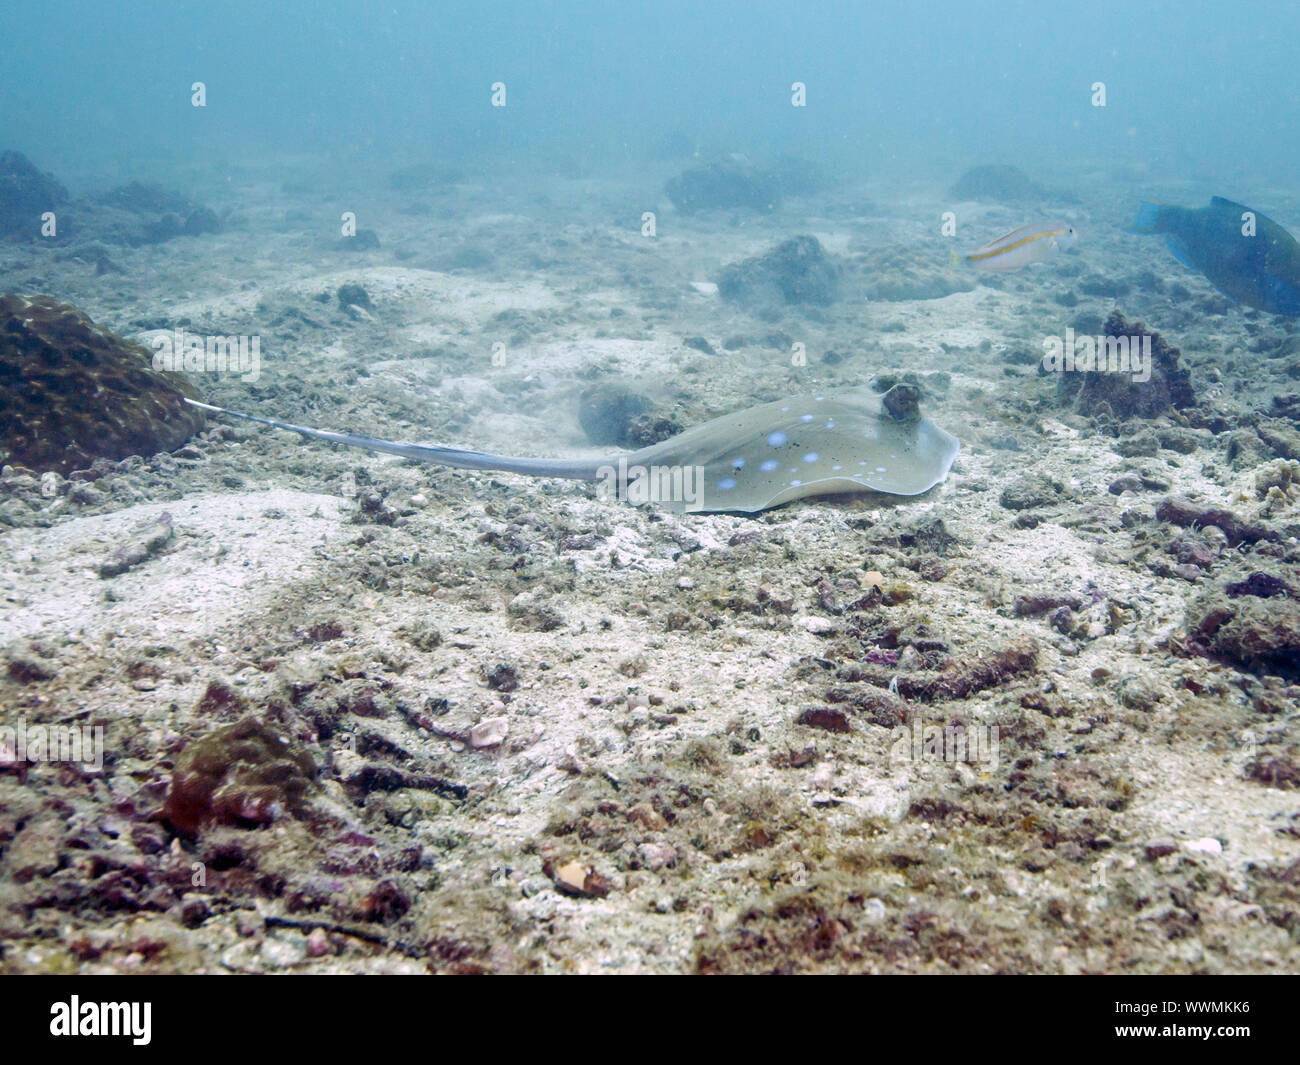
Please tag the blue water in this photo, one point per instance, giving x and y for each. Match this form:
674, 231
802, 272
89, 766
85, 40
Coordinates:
1202, 91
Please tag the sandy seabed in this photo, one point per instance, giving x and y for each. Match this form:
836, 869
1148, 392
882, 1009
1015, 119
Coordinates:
697, 766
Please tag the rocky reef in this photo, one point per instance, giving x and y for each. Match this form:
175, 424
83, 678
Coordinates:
72, 392
25, 194
1252, 623
1004, 184
724, 185
1100, 391
796, 271
135, 214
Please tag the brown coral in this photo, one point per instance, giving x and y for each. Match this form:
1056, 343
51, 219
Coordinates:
72, 392
243, 774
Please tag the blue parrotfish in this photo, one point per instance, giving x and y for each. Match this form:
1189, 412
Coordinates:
752, 460
1244, 254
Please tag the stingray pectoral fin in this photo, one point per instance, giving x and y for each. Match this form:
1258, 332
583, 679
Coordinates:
570, 469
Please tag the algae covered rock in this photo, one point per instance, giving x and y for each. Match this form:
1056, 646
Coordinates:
1254, 624
797, 271
242, 775
1111, 382
72, 392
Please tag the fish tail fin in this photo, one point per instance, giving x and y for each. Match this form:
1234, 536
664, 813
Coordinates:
1148, 218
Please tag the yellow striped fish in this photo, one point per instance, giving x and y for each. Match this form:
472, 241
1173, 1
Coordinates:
1020, 247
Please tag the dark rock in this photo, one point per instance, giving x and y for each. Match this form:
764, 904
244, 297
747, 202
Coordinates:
1260, 635
1172, 438
139, 214
879, 706
1140, 445
1260, 585
1278, 773
647, 429
1159, 848
1032, 491
25, 194
830, 718
159, 231
200, 221
1100, 390
1033, 604
928, 534
145, 199
797, 271
1193, 551
724, 185
362, 240
1004, 184
606, 412
353, 295
1187, 514
502, 677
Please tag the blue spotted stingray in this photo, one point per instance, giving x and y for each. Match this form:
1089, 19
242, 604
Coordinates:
752, 460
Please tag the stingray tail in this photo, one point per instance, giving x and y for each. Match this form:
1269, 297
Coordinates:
571, 469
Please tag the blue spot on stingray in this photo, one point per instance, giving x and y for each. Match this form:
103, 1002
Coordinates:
737, 464
795, 484
769, 465
830, 425
837, 467
727, 484
776, 439
820, 398
880, 469
805, 417
812, 456
785, 408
